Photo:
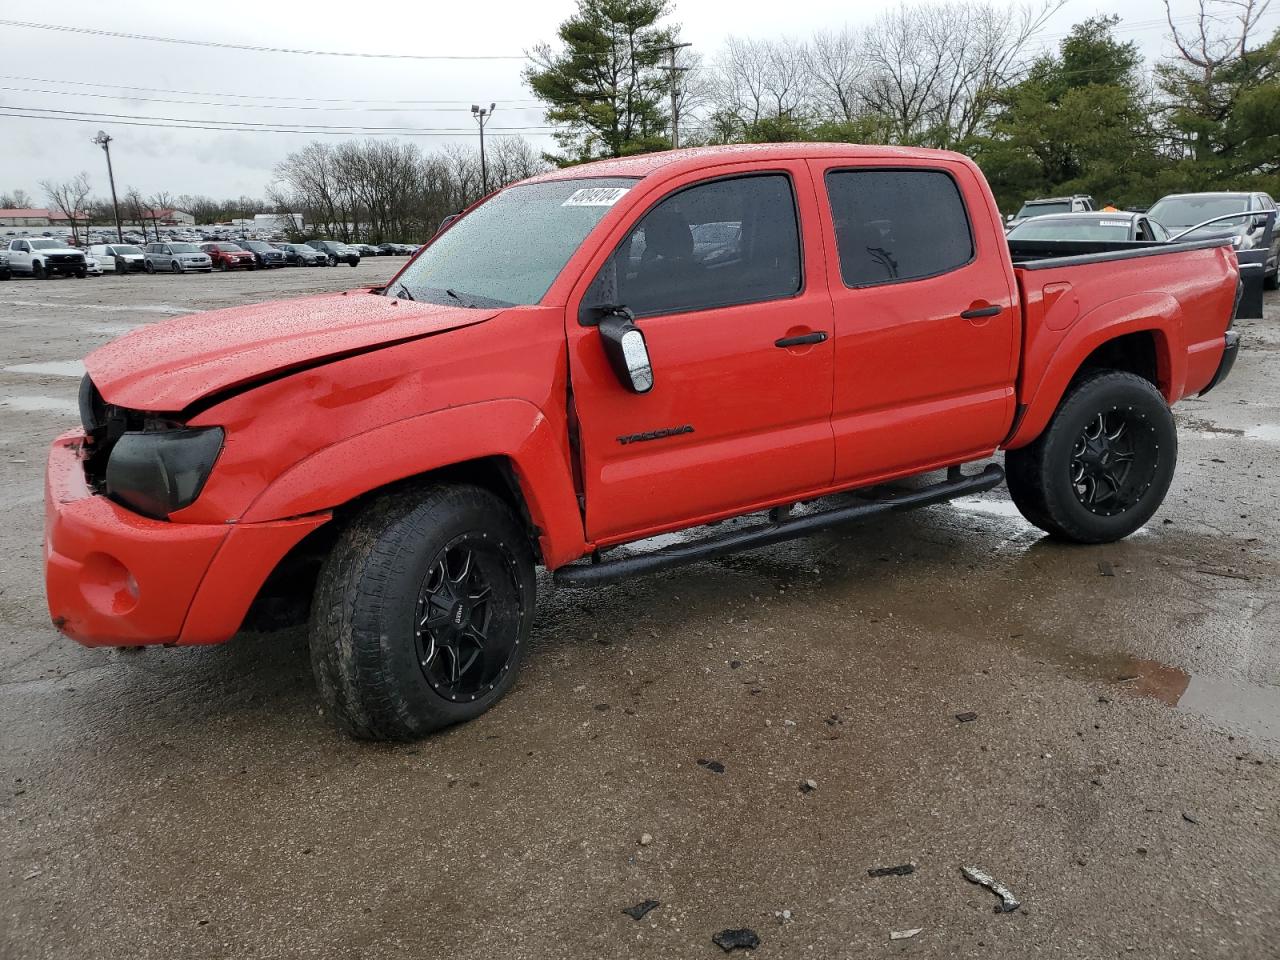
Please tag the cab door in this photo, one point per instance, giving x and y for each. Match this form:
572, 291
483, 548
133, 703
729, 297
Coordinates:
724, 272
926, 315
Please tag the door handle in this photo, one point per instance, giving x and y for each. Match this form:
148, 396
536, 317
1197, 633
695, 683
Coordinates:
977, 313
818, 336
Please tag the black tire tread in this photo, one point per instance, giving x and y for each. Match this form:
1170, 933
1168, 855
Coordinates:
1026, 467
348, 651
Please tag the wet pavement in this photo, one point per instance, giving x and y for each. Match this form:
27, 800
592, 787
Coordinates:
1120, 777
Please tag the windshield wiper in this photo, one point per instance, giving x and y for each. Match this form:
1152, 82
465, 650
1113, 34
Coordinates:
404, 293
458, 297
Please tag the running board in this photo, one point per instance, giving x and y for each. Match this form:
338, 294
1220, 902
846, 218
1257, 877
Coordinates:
776, 531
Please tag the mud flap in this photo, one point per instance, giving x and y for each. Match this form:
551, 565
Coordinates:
1253, 268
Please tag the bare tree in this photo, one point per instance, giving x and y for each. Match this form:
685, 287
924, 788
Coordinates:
70, 197
19, 199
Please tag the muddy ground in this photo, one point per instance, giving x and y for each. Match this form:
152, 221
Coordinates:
1121, 776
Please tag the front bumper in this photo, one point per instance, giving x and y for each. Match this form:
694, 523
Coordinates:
1230, 350
114, 578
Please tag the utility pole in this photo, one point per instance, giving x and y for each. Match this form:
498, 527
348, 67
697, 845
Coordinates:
482, 117
104, 141
673, 74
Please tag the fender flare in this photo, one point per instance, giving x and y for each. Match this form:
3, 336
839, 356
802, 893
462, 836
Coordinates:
1160, 315
514, 429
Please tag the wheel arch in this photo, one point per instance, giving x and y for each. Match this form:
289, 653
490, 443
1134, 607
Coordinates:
1142, 345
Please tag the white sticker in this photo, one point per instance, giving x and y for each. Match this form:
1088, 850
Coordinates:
595, 197
1113, 223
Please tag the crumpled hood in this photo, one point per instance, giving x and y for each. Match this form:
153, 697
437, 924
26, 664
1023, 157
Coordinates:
168, 366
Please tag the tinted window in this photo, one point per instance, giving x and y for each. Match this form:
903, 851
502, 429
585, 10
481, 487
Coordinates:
713, 245
897, 224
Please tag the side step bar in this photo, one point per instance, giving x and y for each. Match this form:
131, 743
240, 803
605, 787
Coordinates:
776, 531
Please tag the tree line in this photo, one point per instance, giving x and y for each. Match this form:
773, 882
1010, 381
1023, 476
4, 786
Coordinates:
1088, 115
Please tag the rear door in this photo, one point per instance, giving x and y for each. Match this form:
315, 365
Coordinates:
725, 273
926, 316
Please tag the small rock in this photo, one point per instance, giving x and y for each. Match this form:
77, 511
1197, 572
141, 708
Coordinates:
782, 916
580, 688
734, 664
646, 839
640, 909
788, 723
901, 870
1189, 818
715, 766
742, 939
1106, 568
809, 786
967, 717
603, 707
904, 934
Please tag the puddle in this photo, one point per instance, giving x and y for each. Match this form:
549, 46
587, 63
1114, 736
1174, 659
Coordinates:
1249, 708
31, 404
50, 368
1265, 431
990, 508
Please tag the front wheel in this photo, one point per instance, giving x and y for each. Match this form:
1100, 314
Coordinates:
1102, 466
175, 266
38, 271
1271, 281
422, 612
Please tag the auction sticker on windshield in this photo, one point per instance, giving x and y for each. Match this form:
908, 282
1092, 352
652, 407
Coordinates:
595, 197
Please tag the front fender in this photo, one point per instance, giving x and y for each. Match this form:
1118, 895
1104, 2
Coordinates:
1053, 360
515, 429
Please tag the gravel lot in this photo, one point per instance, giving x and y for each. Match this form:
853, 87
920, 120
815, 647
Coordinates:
1121, 776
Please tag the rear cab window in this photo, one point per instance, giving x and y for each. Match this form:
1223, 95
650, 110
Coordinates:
893, 226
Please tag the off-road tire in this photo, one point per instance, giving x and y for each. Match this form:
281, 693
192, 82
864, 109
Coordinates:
365, 654
1271, 281
39, 272
1039, 475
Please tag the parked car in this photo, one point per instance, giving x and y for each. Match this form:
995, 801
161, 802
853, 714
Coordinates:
301, 255
5, 272
1080, 203
264, 253
229, 256
1094, 227
336, 252
436, 442
92, 267
1246, 213
366, 249
119, 258
388, 249
42, 257
176, 257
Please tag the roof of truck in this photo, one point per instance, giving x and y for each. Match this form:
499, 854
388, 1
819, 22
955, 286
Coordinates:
644, 164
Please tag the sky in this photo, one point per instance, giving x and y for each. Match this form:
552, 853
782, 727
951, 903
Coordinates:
55, 70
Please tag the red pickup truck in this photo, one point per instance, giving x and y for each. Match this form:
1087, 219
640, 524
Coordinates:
595, 356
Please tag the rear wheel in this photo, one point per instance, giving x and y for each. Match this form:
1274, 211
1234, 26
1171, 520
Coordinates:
1102, 466
149, 267
422, 612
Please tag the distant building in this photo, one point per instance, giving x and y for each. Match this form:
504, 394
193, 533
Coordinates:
277, 221
171, 218
26, 218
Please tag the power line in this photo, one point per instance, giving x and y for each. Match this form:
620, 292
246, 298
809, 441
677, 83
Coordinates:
331, 132
241, 96
244, 106
87, 31
295, 127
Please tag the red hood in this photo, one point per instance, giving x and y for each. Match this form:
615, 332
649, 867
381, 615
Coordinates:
167, 366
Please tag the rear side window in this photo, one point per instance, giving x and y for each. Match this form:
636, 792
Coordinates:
715, 244
895, 225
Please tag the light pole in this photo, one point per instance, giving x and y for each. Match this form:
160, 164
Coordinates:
482, 117
104, 141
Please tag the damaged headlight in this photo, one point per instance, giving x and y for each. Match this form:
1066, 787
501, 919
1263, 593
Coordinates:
157, 472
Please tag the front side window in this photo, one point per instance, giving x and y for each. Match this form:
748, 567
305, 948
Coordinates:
894, 225
716, 244
510, 249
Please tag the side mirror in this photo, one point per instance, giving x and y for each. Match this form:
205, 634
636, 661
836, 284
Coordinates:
1008, 218
627, 352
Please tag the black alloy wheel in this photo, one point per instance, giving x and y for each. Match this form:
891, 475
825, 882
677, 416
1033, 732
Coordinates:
1114, 461
468, 618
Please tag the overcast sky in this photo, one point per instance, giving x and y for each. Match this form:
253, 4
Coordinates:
236, 85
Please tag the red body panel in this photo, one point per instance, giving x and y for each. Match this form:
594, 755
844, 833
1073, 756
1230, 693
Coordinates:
325, 399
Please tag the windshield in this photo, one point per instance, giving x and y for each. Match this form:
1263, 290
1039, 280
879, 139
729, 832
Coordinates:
1040, 209
1178, 213
228, 248
509, 249
126, 249
183, 248
1082, 228
47, 244
257, 245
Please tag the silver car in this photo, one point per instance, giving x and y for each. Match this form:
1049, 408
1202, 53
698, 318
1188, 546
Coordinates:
176, 257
